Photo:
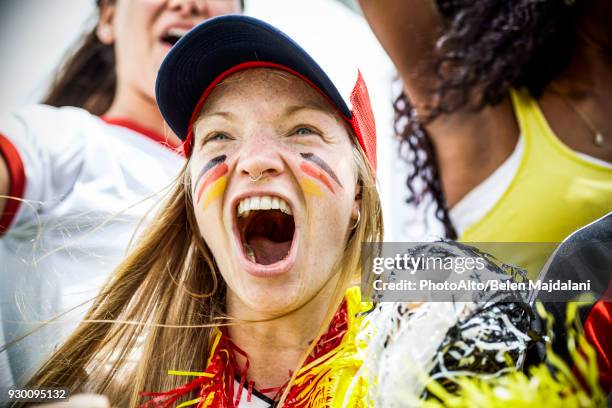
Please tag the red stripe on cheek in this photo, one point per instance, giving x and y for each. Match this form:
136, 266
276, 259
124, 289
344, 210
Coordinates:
318, 174
219, 171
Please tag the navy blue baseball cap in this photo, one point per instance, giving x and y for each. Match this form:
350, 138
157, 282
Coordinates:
221, 46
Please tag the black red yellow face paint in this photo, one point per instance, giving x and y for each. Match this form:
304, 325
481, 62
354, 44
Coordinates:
317, 168
212, 179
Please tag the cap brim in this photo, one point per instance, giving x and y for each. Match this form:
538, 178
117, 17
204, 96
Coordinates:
219, 44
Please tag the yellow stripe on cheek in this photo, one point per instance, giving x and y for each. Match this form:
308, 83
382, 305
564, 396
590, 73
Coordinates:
311, 188
215, 191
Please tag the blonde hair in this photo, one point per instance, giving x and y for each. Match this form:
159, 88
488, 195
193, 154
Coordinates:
165, 300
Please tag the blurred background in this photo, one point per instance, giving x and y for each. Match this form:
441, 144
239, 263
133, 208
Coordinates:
36, 35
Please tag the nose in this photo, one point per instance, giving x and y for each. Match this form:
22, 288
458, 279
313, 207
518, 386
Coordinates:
188, 7
260, 162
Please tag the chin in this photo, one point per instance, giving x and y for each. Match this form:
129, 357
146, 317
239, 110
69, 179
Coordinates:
273, 300
280, 293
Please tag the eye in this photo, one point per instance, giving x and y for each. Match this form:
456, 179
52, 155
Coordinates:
305, 131
216, 137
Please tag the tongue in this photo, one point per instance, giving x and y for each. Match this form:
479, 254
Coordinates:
267, 251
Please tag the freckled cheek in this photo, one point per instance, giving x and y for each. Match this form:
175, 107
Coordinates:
332, 211
326, 231
328, 210
213, 230
210, 219
346, 172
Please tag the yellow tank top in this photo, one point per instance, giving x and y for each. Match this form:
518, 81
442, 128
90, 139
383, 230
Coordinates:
554, 192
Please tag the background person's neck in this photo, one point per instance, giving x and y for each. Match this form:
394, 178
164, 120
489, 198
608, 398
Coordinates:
142, 109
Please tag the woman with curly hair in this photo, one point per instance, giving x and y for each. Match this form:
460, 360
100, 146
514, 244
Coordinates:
505, 113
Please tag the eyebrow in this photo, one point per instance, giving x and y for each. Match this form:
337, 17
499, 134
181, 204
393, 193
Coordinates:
204, 116
223, 114
294, 109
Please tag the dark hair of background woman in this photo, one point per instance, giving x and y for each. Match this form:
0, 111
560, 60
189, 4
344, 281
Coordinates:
88, 78
492, 46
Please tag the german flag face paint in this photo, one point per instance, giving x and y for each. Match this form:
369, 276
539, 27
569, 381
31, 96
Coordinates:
210, 183
316, 168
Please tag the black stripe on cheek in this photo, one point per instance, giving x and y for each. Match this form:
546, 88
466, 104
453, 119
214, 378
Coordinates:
313, 158
212, 163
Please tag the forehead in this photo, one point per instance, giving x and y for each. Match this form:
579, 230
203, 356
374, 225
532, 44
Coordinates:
275, 86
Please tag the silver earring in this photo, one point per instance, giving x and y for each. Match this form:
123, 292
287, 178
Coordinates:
357, 221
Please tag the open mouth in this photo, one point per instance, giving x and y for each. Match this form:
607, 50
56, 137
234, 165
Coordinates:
172, 36
266, 227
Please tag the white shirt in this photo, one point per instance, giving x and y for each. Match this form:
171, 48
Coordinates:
257, 400
88, 184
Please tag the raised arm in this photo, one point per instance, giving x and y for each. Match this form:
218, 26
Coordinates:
408, 30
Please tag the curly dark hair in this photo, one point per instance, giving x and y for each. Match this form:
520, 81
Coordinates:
489, 46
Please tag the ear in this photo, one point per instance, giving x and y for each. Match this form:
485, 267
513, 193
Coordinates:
105, 29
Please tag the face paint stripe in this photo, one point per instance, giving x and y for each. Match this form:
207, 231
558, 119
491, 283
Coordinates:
315, 173
215, 191
212, 176
310, 187
212, 163
313, 158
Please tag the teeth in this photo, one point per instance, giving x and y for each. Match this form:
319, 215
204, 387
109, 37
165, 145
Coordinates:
249, 252
177, 32
265, 203
262, 203
284, 207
